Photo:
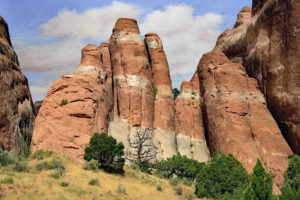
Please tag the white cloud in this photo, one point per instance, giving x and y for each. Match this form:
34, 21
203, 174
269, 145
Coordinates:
95, 23
185, 36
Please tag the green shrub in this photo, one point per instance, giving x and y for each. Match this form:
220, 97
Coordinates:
121, 189
53, 164
94, 181
7, 180
91, 165
41, 154
222, 174
155, 90
63, 102
159, 187
6, 158
178, 190
261, 182
174, 181
107, 152
64, 184
180, 166
291, 187
175, 93
20, 166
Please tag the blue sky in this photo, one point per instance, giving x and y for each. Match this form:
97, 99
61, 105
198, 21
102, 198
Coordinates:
48, 34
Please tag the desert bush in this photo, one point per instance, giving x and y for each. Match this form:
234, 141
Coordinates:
58, 173
64, 184
41, 154
222, 174
20, 166
121, 189
159, 187
6, 158
174, 181
180, 166
107, 152
94, 181
91, 165
7, 180
178, 190
63, 102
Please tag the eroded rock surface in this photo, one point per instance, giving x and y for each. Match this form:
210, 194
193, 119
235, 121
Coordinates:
164, 119
189, 126
16, 108
236, 117
132, 81
268, 46
66, 127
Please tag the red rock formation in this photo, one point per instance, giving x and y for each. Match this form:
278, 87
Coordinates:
190, 138
164, 119
66, 129
16, 108
270, 52
132, 81
236, 117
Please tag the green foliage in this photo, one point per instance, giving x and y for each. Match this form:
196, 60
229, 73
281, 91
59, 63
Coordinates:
7, 180
155, 90
261, 182
63, 102
20, 166
180, 166
159, 187
223, 174
41, 154
176, 93
53, 164
121, 189
291, 187
6, 158
94, 181
107, 152
91, 165
58, 173
174, 181
64, 184
178, 190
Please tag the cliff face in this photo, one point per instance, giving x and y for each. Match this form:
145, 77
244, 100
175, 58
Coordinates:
268, 46
66, 127
16, 108
236, 117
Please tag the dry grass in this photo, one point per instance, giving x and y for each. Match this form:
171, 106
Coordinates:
38, 185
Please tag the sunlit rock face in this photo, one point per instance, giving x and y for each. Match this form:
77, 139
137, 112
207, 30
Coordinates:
76, 106
16, 108
236, 117
267, 42
189, 126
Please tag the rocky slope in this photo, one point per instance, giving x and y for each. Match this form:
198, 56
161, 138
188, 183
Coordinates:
16, 108
266, 40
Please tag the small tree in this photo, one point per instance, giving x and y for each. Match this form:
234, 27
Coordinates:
141, 148
175, 92
107, 152
223, 174
261, 183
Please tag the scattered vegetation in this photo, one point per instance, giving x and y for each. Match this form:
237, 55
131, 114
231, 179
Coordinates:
64, 102
178, 190
64, 184
159, 187
176, 93
41, 154
107, 152
94, 181
121, 190
91, 165
6, 158
155, 90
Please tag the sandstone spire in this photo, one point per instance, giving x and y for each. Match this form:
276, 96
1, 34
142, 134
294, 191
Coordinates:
164, 120
189, 126
132, 81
